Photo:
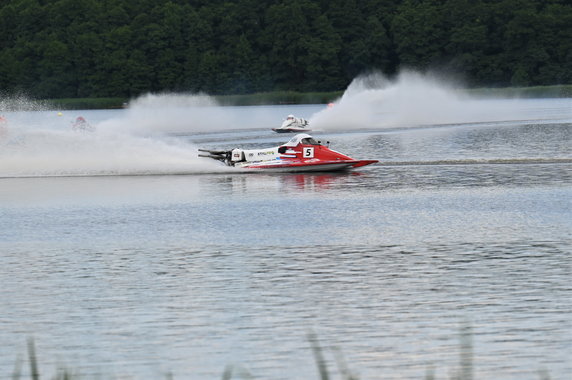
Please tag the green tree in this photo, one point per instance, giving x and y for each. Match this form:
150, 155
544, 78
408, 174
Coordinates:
55, 74
418, 30
468, 41
554, 35
54, 48
287, 28
379, 53
349, 23
322, 66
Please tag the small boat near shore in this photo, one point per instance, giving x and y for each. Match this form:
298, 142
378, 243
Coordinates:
302, 153
81, 125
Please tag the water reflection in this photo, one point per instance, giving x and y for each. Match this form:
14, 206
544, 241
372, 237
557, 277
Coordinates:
317, 182
259, 184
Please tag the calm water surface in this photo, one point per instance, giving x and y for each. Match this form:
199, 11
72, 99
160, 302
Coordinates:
139, 277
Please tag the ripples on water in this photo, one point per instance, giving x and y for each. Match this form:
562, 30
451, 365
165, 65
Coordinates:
141, 276
389, 309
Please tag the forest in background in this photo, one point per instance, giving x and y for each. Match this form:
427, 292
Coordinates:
123, 48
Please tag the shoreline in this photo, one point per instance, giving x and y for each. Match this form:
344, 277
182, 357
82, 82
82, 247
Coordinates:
293, 97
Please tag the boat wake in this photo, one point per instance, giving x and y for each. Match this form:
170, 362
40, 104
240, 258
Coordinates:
416, 100
41, 153
499, 161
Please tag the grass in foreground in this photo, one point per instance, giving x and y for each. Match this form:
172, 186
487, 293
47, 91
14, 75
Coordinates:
464, 372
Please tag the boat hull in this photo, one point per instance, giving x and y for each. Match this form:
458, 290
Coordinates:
290, 130
306, 166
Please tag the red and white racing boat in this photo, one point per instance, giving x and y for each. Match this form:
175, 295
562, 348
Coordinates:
301, 154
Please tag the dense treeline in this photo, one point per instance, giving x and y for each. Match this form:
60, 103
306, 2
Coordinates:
100, 48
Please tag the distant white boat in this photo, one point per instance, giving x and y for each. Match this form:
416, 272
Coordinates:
293, 124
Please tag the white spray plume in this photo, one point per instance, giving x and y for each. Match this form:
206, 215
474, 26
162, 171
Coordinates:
44, 144
53, 153
21, 103
167, 113
411, 99
187, 113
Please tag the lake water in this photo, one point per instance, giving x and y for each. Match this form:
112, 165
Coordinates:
125, 256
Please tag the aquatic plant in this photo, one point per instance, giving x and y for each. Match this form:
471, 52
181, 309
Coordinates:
464, 372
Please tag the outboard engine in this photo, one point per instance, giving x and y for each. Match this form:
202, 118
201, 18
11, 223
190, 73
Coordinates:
237, 155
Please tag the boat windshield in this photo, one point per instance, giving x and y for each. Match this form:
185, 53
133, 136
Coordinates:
309, 141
